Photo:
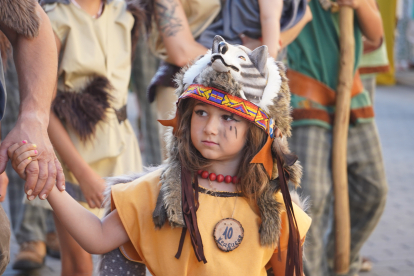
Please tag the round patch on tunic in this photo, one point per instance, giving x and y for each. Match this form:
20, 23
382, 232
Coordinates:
228, 234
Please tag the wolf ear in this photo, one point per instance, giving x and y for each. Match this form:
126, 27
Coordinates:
216, 41
259, 58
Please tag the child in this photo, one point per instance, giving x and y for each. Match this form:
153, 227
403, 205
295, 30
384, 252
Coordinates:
219, 182
88, 127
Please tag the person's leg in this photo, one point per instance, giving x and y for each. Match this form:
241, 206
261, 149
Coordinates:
75, 260
367, 186
31, 236
312, 144
165, 100
144, 67
370, 83
52, 241
4, 240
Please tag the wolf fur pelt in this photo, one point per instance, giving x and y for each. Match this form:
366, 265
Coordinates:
82, 110
21, 16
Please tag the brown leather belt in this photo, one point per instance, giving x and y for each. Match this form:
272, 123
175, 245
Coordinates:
121, 114
317, 91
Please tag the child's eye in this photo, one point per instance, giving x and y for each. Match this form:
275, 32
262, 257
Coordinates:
229, 118
242, 57
200, 112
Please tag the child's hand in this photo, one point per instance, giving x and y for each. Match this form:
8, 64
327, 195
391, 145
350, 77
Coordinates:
355, 4
21, 154
4, 181
93, 187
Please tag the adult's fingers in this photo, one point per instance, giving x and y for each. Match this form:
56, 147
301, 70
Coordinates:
60, 177
50, 182
32, 174
41, 180
3, 156
4, 181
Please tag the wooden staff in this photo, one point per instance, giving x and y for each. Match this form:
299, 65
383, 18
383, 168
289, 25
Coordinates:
340, 139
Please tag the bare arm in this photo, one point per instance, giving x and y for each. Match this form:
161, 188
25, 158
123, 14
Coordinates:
369, 18
290, 35
270, 13
175, 31
92, 234
36, 65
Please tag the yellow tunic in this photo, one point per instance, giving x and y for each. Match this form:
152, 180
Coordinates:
100, 46
135, 203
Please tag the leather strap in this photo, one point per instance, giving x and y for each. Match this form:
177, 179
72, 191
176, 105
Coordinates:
317, 91
294, 254
121, 114
190, 204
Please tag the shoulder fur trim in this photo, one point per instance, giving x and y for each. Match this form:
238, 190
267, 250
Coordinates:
21, 16
122, 179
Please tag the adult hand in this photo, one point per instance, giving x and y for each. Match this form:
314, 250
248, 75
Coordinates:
41, 175
93, 187
4, 181
249, 42
355, 4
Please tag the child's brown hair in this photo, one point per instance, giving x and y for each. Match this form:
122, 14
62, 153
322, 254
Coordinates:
253, 177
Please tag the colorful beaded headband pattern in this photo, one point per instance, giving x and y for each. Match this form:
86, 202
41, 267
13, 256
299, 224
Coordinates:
237, 106
233, 104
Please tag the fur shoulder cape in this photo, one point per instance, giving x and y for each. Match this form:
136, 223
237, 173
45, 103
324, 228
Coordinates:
21, 16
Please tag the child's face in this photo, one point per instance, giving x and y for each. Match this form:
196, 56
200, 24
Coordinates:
216, 133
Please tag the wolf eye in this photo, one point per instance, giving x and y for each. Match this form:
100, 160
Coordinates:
242, 57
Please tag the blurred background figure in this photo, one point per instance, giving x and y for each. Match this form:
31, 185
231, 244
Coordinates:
313, 61
89, 126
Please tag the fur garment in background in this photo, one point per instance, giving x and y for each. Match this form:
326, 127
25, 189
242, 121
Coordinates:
84, 109
21, 16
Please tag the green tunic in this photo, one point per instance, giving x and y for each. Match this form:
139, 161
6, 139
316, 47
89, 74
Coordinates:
315, 53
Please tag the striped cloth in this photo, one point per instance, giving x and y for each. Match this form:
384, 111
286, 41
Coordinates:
367, 191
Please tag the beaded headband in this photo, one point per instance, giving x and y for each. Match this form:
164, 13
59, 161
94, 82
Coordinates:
239, 107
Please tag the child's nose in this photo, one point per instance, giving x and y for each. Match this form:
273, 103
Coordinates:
212, 125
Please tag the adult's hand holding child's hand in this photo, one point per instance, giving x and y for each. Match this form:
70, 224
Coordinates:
41, 176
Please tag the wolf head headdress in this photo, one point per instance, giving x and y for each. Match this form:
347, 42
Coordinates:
249, 84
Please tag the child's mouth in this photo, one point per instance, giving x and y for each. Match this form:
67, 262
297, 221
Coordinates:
209, 143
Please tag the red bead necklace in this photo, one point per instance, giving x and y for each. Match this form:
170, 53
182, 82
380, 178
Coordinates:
219, 178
